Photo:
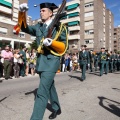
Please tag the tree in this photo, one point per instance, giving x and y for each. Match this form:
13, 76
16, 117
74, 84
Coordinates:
34, 45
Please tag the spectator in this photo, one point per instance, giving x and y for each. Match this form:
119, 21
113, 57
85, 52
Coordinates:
63, 63
23, 65
32, 63
1, 64
16, 63
8, 56
27, 61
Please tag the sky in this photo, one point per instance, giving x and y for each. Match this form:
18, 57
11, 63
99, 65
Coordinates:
113, 5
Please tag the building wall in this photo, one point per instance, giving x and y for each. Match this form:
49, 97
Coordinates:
117, 39
7, 22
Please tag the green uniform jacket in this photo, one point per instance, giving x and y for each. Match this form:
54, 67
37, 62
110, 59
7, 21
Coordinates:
84, 57
47, 61
102, 56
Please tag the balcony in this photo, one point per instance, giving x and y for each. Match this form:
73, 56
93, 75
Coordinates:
88, 9
90, 45
89, 18
88, 1
89, 27
91, 36
73, 37
6, 10
73, 46
71, 19
73, 11
72, 2
74, 28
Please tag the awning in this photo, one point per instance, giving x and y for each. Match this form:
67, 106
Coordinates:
3, 2
72, 6
73, 23
73, 14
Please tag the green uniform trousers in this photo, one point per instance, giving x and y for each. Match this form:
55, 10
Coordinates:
45, 92
83, 69
22, 69
111, 66
7, 68
103, 67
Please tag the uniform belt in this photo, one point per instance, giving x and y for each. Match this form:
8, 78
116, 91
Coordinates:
83, 59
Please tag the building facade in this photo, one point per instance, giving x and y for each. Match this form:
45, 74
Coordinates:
8, 19
90, 23
117, 38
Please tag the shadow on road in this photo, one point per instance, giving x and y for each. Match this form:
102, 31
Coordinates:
110, 105
78, 78
32, 92
3, 99
116, 89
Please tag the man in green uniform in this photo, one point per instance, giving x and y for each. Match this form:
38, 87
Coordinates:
47, 63
115, 61
111, 62
102, 58
84, 61
23, 65
118, 62
96, 60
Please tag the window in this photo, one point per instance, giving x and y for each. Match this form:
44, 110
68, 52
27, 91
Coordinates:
3, 30
89, 5
89, 32
22, 35
89, 41
88, 23
88, 14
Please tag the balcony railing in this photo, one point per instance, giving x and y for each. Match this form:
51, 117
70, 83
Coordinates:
73, 37
89, 18
89, 27
88, 1
89, 36
74, 28
6, 10
71, 19
88, 9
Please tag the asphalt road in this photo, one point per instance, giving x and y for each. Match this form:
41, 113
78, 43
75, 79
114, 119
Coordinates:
97, 98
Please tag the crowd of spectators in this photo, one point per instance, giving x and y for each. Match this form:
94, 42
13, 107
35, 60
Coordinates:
22, 62
16, 63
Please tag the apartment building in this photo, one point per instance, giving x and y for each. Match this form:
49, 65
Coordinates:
90, 23
117, 38
8, 19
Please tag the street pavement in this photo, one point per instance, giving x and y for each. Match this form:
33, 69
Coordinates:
97, 98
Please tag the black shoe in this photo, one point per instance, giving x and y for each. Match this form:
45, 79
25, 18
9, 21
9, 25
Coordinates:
55, 113
82, 79
10, 77
6, 78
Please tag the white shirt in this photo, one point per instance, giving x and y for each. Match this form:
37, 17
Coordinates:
48, 22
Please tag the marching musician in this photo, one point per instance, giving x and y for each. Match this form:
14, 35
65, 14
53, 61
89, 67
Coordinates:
102, 58
84, 60
47, 62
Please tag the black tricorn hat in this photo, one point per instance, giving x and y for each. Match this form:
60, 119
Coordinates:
83, 45
51, 6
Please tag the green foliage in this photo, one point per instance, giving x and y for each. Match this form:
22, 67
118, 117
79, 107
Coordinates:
34, 45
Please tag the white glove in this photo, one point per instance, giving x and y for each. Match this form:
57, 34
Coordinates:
88, 65
23, 7
47, 42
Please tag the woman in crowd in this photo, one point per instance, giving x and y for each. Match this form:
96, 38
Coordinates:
32, 62
16, 63
27, 61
